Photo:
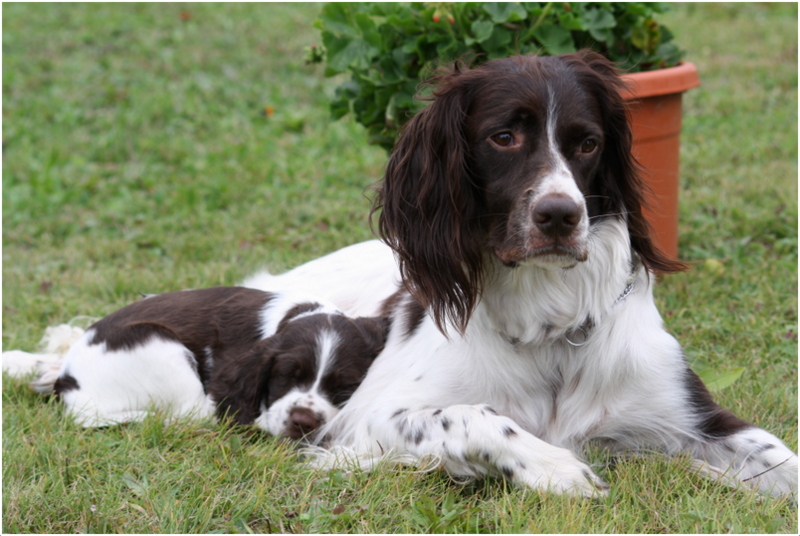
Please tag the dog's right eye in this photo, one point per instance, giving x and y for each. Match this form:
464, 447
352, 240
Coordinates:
588, 146
503, 139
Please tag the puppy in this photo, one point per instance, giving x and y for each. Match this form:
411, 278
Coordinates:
281, 363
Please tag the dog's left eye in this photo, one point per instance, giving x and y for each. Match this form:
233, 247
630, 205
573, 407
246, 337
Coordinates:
588, 146
503, 139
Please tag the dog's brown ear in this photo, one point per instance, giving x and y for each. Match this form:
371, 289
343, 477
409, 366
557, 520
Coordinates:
429, 206
619, 186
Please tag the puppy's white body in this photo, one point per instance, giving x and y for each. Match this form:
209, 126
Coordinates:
126, 385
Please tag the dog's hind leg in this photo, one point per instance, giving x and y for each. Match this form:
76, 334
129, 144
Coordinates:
736, 452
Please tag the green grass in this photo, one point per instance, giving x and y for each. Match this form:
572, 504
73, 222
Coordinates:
138, 158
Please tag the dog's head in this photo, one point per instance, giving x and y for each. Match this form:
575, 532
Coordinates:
517, 158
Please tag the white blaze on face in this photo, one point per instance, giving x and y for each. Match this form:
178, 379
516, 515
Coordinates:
559, 181
327, 342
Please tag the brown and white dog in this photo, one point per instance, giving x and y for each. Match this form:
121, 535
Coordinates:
525, 325
281, 363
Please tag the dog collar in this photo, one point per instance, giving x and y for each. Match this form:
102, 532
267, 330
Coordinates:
580, 336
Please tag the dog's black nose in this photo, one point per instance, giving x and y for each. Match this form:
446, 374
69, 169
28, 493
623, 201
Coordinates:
557, 216
302, 422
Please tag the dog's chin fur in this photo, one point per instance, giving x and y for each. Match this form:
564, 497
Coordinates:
553, 257
552, 261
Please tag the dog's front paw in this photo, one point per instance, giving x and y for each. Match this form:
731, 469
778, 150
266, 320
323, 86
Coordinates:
560, 471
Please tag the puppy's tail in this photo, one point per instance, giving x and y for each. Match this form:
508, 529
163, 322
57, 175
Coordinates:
47, 368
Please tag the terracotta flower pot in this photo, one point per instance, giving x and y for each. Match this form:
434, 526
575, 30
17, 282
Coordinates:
655, 103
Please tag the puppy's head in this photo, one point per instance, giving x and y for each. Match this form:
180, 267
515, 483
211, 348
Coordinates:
317, 362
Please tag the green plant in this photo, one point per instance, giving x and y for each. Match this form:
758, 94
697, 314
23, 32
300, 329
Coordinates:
448, 516
388, 48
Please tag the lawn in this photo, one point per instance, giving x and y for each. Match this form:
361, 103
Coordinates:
154, 147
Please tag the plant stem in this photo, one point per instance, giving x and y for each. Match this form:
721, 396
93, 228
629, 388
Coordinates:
545, 12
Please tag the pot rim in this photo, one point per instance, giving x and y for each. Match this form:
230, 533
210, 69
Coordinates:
667, 81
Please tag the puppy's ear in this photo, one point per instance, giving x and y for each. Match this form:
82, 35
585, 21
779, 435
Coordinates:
375, 331
430, 207
241, 384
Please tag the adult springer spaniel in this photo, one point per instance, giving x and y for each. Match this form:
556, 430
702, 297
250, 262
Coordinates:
277, 361
524, 326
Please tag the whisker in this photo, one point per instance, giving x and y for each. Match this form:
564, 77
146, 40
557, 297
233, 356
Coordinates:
609, 214
767, 471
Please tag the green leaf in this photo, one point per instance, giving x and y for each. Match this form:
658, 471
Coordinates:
137, 487
482, 30
333, 45
411, 46
598, 21
555, 39
357, 54
646, 36
391, 68
505, 11
391, 110
638, 9
368, 29
403, 23
340, 105
716, 381
570, 22
670, 54
497, 44
336, 18
236, 444
449, 50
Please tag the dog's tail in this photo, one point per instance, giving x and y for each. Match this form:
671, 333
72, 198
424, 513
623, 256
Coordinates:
46, 364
